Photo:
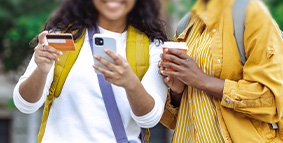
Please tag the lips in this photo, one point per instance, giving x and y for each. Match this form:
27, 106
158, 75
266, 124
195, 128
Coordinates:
113, 4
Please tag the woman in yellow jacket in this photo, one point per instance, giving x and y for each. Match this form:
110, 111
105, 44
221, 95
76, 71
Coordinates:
213, 96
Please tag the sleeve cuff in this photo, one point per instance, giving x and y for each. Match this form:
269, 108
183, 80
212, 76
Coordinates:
170, 114
22, 104
232, 99
229, 91
150, 119
169, 106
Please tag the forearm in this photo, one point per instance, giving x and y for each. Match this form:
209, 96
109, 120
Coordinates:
140, 101
32, 88
212, 86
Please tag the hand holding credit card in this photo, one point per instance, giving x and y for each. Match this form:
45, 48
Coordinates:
62, 42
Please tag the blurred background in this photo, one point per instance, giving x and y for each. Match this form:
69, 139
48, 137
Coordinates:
22, 20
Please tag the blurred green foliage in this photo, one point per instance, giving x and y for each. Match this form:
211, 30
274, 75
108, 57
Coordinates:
179, 7
21, 21
276, 9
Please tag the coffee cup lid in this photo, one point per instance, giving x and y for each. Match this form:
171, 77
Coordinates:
179, 45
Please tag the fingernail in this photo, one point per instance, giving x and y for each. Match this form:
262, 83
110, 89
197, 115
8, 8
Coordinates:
95, 56
60, 53
106, 50
160, 55
95, 66
162, 71
166, 50
57, 59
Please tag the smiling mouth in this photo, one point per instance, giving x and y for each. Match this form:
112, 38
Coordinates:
113, 4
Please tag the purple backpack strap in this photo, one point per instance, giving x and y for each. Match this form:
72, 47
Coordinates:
112, 110
109, 100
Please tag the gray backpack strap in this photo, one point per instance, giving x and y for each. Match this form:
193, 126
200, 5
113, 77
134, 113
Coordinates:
239, 17
183, 24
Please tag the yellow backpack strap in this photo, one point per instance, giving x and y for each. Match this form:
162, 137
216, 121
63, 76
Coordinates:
61, 71
137, 51
146, 136
138, 56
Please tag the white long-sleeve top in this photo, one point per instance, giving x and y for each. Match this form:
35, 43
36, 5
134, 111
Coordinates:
79, 114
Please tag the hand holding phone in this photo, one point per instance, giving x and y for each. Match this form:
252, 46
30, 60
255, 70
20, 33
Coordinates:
62, 42
100, 42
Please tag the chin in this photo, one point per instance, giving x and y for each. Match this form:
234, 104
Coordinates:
113, 17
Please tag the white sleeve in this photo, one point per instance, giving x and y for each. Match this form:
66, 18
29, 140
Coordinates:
21, 103
154, 85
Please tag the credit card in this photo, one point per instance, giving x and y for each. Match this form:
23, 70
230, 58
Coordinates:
62, 42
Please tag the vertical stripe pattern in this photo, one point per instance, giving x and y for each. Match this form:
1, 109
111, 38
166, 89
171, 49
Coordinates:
197, 120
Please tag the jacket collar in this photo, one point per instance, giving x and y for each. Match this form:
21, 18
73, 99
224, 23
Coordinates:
209, 12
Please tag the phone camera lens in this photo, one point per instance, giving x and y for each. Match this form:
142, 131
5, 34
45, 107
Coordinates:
99, 41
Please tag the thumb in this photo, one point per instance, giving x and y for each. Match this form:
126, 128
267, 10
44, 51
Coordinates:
41, 37
167, 81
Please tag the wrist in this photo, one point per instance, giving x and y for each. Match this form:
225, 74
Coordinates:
132, 84
40, 72
175, 93
203, 82
176, 98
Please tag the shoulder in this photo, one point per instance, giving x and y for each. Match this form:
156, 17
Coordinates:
258, 16
257, 8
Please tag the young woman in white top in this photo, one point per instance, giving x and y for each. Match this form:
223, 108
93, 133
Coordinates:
79, 114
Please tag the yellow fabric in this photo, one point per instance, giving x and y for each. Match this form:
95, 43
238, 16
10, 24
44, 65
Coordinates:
63, 67
253, 95
137, 51
197, 120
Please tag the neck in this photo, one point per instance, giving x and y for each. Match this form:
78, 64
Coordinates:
118, 26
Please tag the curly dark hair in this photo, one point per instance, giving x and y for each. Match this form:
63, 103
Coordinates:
75, 15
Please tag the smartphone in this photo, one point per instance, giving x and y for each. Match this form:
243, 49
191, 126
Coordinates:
62, 42
100, 42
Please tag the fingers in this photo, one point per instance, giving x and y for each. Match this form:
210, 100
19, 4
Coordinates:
118, 59
172, 58
52, 50
48, 52
43, 50
105, 62
42, 60
167, 80
177, 53
160, 69
124, 60
114, 56
41, 37
48, 55
170, 65
105, 72
159, 64
170, 74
